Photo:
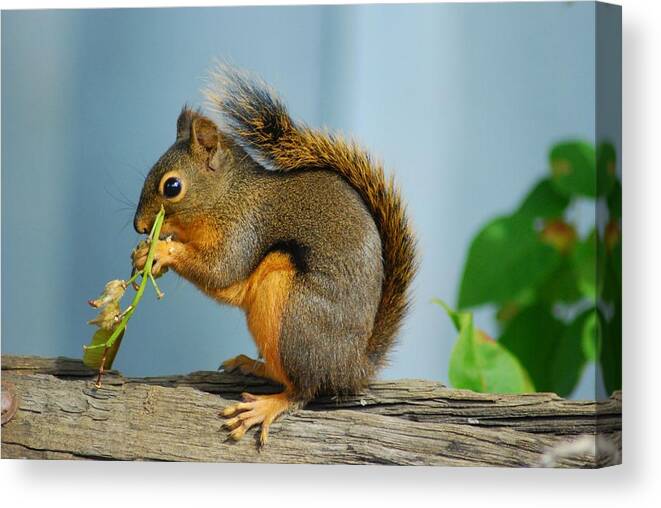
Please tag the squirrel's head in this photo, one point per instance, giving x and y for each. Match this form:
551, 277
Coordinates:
188, 178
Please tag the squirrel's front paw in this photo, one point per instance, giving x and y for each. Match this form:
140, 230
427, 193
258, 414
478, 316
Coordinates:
139, 255
245, 365
164, 255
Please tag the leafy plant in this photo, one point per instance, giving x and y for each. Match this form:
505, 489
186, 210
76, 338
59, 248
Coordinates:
481, 364
111, 320
558, 297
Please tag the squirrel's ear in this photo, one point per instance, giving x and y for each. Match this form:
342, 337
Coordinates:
184, 123
204, 133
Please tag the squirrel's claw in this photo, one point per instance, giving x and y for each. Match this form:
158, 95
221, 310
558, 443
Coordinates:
245, 365
139, 255
158, 269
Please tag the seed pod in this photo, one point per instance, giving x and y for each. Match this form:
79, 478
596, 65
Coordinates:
113, 292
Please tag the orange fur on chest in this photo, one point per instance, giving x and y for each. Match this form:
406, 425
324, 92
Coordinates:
263, 296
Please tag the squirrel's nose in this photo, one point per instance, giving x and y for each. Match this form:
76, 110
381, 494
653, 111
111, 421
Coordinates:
140, 226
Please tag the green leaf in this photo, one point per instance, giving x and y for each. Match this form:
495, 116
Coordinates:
480, 364
611, 325
501, 371
610, 261
561, 285
544, 201
573, 168
611, 274
568, 358
507, 311
606, 168
506, 262
590, 335
611, 350
553, 353
615, 201
92, 357
532, 336
584, 259
464, 371
453, 314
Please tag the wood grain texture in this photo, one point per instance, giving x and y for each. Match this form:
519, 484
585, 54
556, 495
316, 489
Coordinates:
410, 422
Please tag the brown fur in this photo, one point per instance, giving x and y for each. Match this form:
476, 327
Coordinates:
259, 121
318, 253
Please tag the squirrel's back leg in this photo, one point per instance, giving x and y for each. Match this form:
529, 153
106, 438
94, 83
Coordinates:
324, 334
264, 296
312, 332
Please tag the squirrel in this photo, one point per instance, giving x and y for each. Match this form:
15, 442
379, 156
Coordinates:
297, 227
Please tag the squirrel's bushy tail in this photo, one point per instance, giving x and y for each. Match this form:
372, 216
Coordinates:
256, 119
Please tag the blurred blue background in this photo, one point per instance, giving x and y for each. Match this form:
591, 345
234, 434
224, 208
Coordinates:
461, 101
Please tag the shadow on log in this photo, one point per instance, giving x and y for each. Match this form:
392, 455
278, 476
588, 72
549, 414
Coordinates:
61, 415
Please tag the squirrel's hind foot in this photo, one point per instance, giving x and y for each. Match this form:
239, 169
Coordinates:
256, 409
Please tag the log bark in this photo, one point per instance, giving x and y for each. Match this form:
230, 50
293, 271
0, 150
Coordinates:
61, 415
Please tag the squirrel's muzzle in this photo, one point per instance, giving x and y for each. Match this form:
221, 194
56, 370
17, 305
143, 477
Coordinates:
140, 224
143, 220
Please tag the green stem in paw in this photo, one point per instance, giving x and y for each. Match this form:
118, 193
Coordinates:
133, 278
146, 275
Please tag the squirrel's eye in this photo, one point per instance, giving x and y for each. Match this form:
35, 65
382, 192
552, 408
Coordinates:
172, 187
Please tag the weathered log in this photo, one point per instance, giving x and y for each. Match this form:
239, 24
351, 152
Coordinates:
62, 415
